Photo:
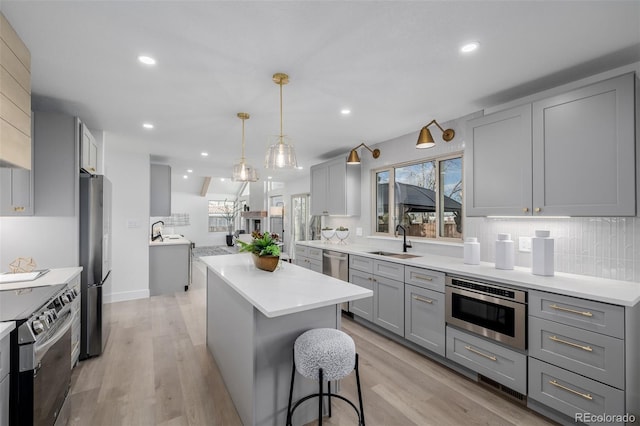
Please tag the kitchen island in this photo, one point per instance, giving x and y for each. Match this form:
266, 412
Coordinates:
253, 319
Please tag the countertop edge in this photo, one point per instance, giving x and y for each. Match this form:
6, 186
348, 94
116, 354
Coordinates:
285, 311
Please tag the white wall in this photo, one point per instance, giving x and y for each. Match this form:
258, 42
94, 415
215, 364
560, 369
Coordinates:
198, 209
128, 172
52, 242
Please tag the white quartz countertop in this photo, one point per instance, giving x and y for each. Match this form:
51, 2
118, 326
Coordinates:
169, 240
287, 290
53, 277
623, 293
6, 328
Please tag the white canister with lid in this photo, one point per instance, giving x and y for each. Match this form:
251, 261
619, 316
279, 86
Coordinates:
471, 251
504, 252
542, 248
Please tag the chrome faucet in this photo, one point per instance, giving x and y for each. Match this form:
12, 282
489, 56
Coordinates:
405, 245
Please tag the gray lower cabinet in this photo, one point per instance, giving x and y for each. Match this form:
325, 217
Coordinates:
580, 359
309, 257
388, 304
169, 268
386, 280
424, 318
494, 361
570, 393
362, 307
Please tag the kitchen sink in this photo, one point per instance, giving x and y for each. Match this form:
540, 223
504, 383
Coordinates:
396, 255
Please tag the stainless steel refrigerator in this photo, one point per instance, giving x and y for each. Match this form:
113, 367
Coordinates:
95, 259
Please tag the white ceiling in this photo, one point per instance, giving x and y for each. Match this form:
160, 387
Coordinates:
395, 64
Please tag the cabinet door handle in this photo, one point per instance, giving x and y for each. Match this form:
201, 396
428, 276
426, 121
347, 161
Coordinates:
573, 311
475, 351
575, 392
422, 299
423, 277
525, 209
537, 210
575, 345
92, 169
18, 209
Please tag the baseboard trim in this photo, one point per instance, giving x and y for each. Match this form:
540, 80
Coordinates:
123, 296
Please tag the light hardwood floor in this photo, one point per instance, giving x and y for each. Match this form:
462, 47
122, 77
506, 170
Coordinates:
156, 370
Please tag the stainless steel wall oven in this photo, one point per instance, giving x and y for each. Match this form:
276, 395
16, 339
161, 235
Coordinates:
493, 311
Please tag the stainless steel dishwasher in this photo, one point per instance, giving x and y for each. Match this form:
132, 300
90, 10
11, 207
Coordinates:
336, 265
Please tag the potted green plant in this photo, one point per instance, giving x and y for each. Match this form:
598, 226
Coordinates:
265, 250
229, 212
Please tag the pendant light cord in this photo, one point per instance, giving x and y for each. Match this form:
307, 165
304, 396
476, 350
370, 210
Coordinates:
281, 132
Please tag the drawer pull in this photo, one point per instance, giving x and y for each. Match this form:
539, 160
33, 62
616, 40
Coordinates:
422, 299
573, 311
422, 277
584, 395
575, 345
475, 351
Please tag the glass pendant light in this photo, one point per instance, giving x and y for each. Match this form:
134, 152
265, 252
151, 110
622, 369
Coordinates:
242, 172
281, 155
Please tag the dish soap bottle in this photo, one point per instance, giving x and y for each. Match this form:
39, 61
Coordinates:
542, 254
504, 252
471, 251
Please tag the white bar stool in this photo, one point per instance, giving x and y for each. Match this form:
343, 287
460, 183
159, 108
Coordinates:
324, 354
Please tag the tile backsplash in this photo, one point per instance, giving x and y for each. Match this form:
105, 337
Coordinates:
607, 247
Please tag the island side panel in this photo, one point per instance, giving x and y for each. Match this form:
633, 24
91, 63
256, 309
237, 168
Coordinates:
168, 268
230, 331
274, 341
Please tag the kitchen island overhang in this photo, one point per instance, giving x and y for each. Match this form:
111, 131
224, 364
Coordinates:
253, 319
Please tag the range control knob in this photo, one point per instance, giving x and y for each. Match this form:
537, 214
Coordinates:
65, 299
37, 327
57, 303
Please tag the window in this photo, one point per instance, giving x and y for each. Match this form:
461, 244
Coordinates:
425, 198
222, 215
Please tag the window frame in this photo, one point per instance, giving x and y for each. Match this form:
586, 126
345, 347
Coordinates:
219, 215
391, 168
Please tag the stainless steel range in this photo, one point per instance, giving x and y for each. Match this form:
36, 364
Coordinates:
40, 364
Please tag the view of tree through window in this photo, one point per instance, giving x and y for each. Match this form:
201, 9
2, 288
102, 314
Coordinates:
426, 199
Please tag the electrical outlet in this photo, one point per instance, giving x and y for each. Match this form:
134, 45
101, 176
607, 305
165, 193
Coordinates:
358, 232
524, 244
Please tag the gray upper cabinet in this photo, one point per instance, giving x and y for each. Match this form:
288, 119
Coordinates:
497, 163
160, 185
16, 192
56, 170
583, 151
572, 155
88, 150
335, 188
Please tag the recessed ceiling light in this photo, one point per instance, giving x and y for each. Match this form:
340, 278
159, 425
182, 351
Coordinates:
204, 154
345, 111
147, 125
147, 60
189, 171
185, 176
469, 47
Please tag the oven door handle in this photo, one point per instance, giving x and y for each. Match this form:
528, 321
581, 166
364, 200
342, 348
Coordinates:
41, 350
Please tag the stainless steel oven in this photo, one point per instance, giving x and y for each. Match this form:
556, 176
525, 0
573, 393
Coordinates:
493, 311
40, 360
